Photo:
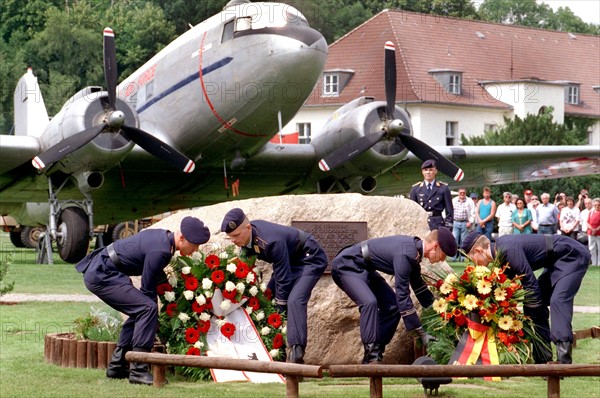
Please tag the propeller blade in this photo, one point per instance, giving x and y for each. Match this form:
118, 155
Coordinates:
66, 147
425, 152
110, 66
349, 151
390, 78
159, 149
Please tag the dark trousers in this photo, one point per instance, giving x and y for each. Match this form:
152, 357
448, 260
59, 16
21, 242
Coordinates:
139, 331
376, 300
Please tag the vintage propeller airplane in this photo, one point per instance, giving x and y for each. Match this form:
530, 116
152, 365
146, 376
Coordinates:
196, 119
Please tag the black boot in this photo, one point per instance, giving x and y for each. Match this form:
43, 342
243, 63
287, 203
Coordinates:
563, 352
139, 373
118, 368
296, 354
373, 353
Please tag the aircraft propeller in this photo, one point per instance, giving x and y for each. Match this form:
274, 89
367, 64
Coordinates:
114, 121
392, 129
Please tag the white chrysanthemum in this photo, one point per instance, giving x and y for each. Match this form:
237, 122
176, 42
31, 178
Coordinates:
170, 296
198, 344
206, 283
265, 331
517, 325
499, 294
168, 270
249, 310
470, 302
451, 278
231, 268
216, 246
250, 277
196, 256
484, 287
223, 255
221, 322
208, 293
253, 291
274, 353
446, 288
230, 286
480, 271
283, 329
201, 300
240, 287
260, 316
186, 270
505, 322
440, 305
225, 304
172, 280
204, 316
263, 287
183, 317
188, 294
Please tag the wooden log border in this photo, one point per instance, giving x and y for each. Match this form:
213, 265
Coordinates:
64, 350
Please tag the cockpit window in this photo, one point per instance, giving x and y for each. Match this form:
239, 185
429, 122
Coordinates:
227, 31
272, 15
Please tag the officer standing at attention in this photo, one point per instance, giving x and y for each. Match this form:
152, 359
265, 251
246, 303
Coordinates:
565, 262
433, 196
355, 268
298, 263
106, 273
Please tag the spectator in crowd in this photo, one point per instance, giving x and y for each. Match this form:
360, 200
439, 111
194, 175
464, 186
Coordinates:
532, 206
484, 214
569, 219
475, 198
504, 214
514, 198
528, 196
583, 218
463, 218
593, 231
521, 218
583, 195
547, 216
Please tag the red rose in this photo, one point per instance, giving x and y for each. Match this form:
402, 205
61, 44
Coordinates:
460, 320
171, 309
191, 335
439, 283
197, 308
274, 320
191, 283
164, 287
254, 303
218, 276
242, 270
269, 294
203, 326
228, 329
277, 341
212, 261
230, 294
193, 351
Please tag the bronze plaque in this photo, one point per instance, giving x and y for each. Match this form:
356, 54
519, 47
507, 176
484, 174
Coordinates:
333, 236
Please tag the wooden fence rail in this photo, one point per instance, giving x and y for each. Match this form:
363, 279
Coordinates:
554, 372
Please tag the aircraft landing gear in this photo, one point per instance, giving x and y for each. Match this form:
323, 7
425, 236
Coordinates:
69, 225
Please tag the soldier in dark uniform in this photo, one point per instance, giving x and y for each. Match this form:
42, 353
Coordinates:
298, 262
355, 268
106, 273
433, 196
565, 262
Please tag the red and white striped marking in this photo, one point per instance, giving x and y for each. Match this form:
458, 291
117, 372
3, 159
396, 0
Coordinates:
323, 165
459, 175
37, 163
189, 167
389, 45
109, 32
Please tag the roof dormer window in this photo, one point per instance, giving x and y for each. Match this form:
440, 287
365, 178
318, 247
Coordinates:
572, 94
331, 85
451, 80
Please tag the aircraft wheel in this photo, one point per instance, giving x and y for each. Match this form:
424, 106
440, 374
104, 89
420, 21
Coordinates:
30, 236
73, 238
15, 239
123, 230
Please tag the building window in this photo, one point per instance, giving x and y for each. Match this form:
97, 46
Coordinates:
303, 133
331, 85
454, 84
451, 133
490, 127
572, 94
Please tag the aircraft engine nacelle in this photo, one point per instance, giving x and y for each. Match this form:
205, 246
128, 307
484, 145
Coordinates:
88, 181
355, 120
84, 110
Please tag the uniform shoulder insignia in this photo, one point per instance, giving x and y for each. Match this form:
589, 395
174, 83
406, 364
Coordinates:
258, 241
440, 183
417, 184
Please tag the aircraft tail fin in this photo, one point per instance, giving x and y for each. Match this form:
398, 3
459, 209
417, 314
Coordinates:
31, 117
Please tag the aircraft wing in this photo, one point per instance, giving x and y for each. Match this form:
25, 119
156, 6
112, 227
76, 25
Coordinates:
493, 165
17, 150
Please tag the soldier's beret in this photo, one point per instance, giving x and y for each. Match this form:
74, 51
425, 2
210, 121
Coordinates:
428, 164
233, 219
470, 241
194, 231
447, 241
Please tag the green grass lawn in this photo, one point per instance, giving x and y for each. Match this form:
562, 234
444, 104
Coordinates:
23, 372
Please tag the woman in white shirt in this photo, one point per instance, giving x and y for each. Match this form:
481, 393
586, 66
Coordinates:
569, 219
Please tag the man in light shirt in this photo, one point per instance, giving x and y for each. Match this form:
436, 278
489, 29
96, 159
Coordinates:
463, 218
504, 214
547, 216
